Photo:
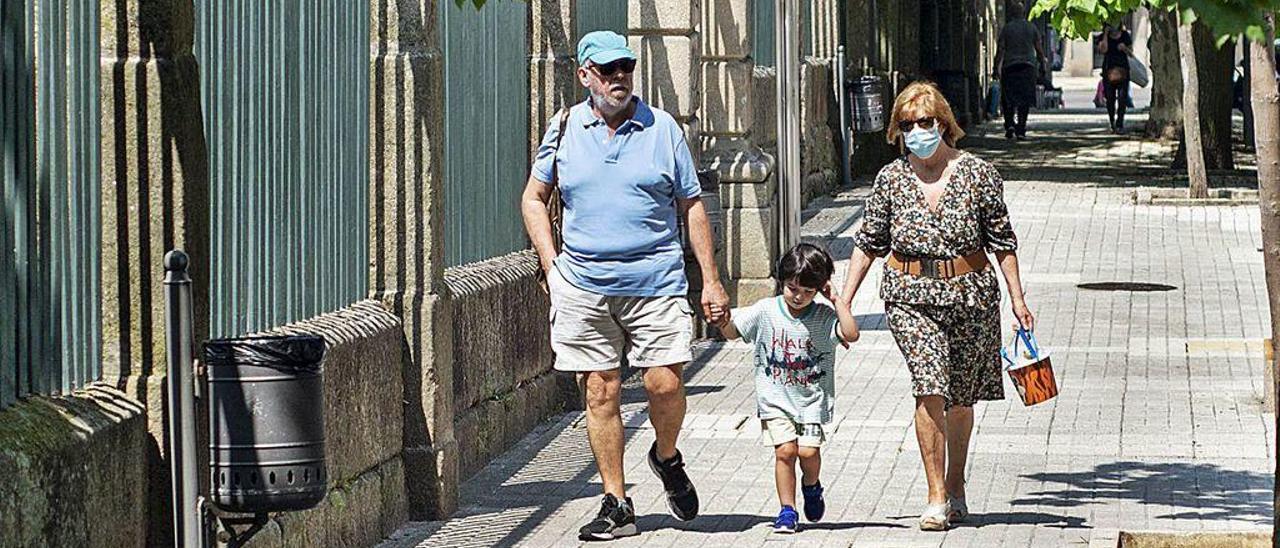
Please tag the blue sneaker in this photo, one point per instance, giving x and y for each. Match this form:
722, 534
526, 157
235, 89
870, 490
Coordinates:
787, 520
814, 505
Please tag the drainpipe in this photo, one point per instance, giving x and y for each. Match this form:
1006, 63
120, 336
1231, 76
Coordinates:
787, 30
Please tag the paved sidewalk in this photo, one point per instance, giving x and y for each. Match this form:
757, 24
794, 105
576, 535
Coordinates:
1159, 426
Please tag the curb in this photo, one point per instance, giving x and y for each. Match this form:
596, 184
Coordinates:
1217, 197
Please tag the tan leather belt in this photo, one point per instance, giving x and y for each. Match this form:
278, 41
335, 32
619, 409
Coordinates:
937, 268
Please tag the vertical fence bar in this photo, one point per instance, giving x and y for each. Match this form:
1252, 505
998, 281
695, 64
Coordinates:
15, 166
24, 235
93, 193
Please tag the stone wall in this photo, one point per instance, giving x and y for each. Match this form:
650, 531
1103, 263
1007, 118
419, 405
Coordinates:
819, 149
552, 64
154, 198
665, 37
74, 469
734, 131
406, 237
503, 384
364, 416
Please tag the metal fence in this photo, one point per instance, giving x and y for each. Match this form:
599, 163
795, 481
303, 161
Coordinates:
49, 177
600, 15
764, 31
486, 116
285, 94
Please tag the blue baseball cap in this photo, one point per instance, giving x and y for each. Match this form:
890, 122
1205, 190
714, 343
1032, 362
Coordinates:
603, 47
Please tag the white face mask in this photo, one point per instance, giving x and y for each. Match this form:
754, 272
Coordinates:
923, 142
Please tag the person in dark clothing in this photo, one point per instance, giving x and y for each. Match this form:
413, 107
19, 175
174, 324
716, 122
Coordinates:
1115, 48
1019, 58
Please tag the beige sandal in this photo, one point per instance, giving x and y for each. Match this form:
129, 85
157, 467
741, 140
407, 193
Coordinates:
935, 517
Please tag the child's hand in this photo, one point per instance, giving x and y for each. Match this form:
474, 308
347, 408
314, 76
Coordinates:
723, 319
829, 292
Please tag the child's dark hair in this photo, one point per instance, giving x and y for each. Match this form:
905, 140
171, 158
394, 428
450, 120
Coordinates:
807, 264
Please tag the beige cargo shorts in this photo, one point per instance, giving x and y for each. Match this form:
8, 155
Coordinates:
590, 332
780, 430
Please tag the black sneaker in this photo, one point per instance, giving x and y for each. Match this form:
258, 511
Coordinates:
815, 505
615, 520
682, 498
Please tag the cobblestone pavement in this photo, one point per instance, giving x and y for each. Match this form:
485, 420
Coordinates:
1159, 425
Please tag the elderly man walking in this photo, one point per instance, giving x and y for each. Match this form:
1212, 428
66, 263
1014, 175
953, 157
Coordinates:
618, 285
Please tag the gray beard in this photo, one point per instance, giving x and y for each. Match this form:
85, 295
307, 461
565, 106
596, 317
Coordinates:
607, 105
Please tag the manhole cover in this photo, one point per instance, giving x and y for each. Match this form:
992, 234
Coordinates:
1125, 286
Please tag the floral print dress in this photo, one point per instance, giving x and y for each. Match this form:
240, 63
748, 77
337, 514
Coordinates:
948, 329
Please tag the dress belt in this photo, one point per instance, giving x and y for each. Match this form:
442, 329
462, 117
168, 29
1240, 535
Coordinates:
937, 268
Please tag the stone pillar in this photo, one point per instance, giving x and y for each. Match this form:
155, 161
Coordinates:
406, 238
155, 197
737, 120
553, 83
665, 36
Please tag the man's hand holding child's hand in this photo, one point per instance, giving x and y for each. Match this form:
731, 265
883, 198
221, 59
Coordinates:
721, 314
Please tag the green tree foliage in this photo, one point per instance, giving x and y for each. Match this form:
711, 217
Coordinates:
1227, 18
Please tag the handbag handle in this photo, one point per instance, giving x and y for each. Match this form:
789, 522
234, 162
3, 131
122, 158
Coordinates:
1027, 338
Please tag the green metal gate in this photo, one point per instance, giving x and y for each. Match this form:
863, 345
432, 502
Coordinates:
600, 15
486, 116
49, 190
285, 93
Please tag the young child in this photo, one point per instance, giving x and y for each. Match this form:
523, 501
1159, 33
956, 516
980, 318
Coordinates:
795, 341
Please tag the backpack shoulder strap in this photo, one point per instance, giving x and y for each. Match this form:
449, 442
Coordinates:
564, 124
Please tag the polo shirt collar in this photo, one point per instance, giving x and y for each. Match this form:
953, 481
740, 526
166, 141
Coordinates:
642, 118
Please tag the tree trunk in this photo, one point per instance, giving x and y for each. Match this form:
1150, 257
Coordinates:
1265, 99
1247, 107
1215, 66
1165, 119
1196, 174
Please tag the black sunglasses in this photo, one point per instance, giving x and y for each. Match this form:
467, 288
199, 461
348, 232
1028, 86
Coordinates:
924, 123
627, 66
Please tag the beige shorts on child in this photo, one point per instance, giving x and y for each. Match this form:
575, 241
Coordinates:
775, 432
589, 331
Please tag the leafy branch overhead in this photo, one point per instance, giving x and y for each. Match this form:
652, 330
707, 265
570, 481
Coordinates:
1226, 18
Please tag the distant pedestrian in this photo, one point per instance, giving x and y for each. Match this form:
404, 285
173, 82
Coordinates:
624, 172
1116, 47
934, 214
795, 339
1019, 60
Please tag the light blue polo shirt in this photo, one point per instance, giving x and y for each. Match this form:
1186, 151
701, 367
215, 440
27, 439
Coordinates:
620, 232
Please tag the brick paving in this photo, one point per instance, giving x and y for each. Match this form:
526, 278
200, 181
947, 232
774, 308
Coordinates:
1160, 425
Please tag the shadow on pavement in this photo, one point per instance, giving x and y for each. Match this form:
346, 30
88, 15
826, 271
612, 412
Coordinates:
521, 489
978, 521
1206, 491
736, 523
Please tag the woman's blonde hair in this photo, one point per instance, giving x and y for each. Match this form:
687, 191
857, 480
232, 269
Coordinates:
923, 99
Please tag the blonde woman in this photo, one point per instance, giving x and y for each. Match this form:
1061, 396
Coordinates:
934, 214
